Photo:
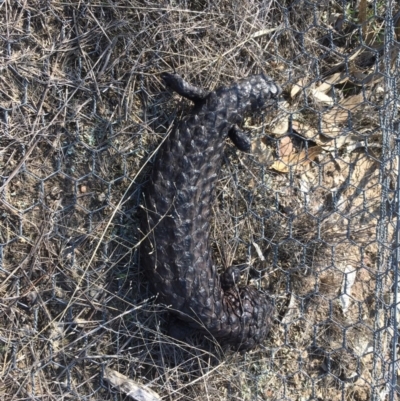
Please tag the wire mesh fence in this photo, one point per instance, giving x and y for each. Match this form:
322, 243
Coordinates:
313, 209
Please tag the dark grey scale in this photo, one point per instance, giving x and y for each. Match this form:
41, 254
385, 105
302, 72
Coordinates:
177, 204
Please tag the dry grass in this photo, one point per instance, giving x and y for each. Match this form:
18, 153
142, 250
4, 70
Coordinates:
82, 108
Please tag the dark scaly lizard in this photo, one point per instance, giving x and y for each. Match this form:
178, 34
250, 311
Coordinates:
176, 252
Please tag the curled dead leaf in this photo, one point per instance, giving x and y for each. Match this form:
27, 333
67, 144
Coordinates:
281, 127
285, 146
298, 86
285, 163
330, 130
304, 130
335, 79
321, 97
339, 114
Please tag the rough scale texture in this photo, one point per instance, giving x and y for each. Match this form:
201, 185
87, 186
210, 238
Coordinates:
178, 198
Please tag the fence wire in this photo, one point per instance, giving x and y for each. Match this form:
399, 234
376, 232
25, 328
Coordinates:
314, 209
